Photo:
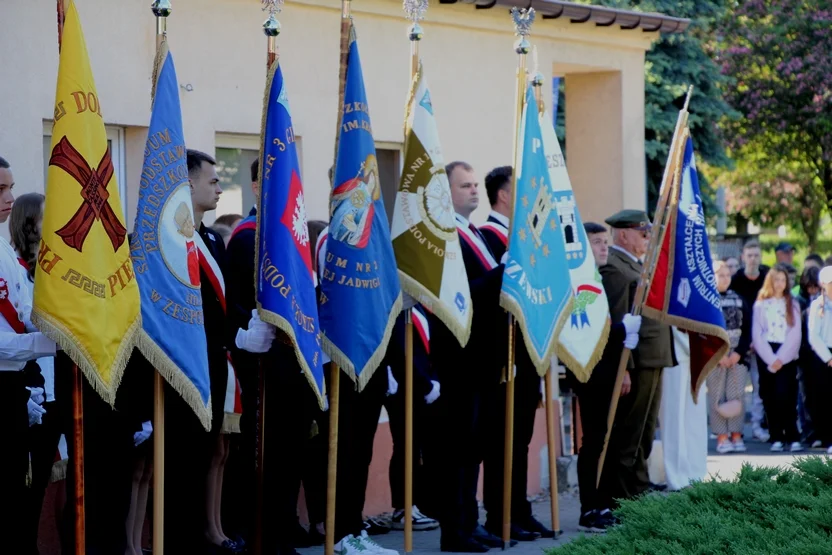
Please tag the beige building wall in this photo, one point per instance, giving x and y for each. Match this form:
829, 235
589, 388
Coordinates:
219, 51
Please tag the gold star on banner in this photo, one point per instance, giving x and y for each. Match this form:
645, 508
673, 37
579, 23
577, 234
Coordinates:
534, 183
545, 250
532, 260
525, 200
552, 224
522, 234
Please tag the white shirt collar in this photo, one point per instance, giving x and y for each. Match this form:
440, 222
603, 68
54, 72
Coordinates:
500, 218
462, 220
631, 256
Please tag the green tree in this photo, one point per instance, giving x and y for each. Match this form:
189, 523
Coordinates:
675, 62
778, 54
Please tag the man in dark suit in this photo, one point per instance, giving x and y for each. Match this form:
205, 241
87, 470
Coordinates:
524, 527
467, 374
625, 469
291, 404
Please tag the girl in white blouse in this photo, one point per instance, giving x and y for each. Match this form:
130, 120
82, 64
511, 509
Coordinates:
776, 335
820, 340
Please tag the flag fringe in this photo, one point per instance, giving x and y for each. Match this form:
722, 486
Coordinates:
414, 288
180, 383
58, 332
541, 364
158, 62
230, 423
695, 327
584, 371
362, 378
411, 100
283, 325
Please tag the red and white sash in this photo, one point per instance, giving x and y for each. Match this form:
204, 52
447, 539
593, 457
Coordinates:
212, 270
233, 392
420, 323
498, 229
473, 240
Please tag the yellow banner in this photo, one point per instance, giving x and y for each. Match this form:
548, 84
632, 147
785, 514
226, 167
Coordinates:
86, 296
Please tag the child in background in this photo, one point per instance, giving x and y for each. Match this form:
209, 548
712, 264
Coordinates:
726, 383
776, 335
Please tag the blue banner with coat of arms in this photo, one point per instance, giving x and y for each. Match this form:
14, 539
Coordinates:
164, 248
360, 291
537, 288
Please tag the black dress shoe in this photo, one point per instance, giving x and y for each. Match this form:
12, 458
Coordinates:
517, 533
487, 538
534, 525
459, 545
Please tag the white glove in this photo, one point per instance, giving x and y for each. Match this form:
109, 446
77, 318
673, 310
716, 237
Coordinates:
631, 323
36, 395
392, 384
142, 435
434, 393
36, 412
631, 341
258, 337
504, 258
514, 375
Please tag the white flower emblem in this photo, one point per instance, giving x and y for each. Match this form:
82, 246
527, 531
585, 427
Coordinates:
299, 228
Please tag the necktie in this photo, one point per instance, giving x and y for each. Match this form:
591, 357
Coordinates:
479, 234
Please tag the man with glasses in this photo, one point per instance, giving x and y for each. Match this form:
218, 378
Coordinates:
625, 469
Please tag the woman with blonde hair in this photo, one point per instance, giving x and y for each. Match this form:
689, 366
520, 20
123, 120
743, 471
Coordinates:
726, 383
776, 335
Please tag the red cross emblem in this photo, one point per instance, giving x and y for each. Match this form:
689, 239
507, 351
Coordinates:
96, 204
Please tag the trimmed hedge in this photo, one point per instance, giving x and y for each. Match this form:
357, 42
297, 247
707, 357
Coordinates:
764, 510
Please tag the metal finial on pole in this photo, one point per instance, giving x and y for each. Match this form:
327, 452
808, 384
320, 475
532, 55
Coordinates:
271, 27
161, 9
415, 12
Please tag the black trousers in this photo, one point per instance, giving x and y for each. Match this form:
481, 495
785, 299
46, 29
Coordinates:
625, 472
290, 405
43, 444
315, 470
461, 437
14, 462
358, 416
594, 400
108, 474
779, 393
425, 451
526, 399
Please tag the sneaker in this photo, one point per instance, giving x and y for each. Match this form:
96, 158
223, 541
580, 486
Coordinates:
375, 526
592, 523
777, 447
762, 434
350, 545
373, 547
796, 447
420, 521
724, 445
816, 444
609, 518
739, 445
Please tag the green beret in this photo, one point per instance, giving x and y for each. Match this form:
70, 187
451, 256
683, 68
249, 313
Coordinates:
629, 219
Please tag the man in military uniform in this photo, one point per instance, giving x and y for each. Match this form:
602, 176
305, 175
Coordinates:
625, 469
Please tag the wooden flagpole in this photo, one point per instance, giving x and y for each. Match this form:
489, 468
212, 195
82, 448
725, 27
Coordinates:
161, 10
271, 28
415, 10
77, 399
522, 25
335, 371
669, 185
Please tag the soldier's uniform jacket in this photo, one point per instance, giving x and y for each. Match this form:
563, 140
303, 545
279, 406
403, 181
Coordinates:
620, 276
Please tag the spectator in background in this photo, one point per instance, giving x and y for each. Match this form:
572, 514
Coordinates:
776, 335
807, 403
811, 260
820, 340
747, 284
733, 264
791, 271
784, 252
225, 224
